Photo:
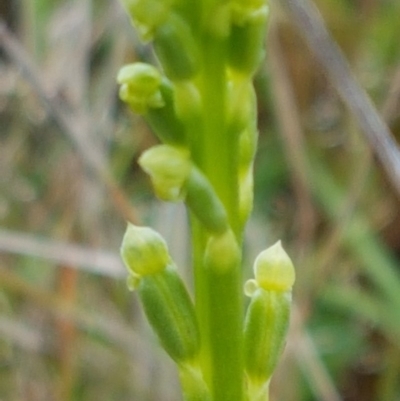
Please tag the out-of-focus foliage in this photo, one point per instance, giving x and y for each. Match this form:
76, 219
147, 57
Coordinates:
68, 333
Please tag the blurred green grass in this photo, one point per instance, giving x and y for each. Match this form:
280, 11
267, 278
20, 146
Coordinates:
69, 329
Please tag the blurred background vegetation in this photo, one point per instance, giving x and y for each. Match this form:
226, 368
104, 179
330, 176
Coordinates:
69, 329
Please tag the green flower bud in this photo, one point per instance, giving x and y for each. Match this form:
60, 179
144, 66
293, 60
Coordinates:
274, 270
140, 87
222, 252
266, 326
176, 49
204, 203
246, 41
242, 107
164, 120
147, 15
169, 168
171, 314
187, 101
144, 251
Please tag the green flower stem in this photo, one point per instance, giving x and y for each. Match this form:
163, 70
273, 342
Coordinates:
218, 295
204, 111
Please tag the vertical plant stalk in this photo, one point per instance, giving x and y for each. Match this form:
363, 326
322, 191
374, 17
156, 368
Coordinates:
204, 111
218, 296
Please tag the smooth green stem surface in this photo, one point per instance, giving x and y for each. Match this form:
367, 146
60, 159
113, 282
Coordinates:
218, 295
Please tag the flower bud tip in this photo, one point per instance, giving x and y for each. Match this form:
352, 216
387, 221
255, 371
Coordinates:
274, 270
143, 251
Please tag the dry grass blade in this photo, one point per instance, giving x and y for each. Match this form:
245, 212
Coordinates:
114, 330
57, 109
294, 143
94, 261
306, 16
310, 362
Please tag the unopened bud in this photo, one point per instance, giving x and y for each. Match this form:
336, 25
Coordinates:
144, 252
147, 15
140, 87
222, 252
274, 270
246, 39
168, 168
176, 48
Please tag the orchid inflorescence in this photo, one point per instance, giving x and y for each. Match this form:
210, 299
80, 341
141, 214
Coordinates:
200, 102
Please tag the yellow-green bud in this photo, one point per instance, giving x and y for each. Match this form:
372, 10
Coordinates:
143, 251
222, 252
267, 317
246, 40
274, 270
187, 100
147, 15
176, 48
168, 168
140, 87
242, 108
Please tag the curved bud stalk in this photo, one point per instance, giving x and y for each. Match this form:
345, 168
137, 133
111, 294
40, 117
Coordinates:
267, 318
171, 314
169, 168
140, 87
